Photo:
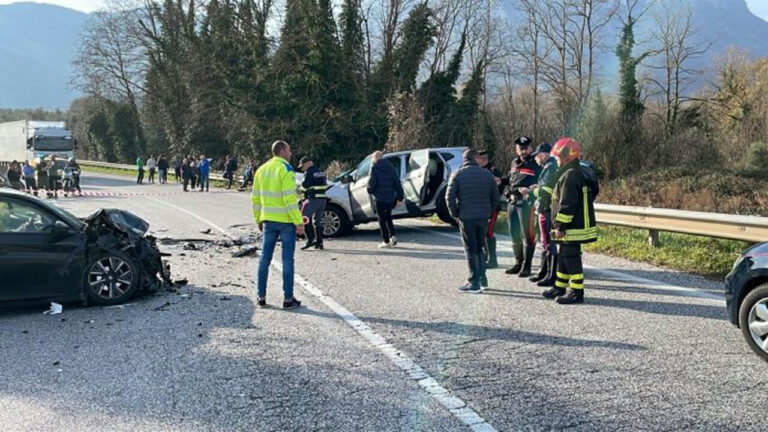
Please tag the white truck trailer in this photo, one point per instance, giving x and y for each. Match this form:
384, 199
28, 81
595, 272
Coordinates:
35, 140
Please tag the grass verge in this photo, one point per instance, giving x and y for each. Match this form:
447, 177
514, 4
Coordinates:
704, 256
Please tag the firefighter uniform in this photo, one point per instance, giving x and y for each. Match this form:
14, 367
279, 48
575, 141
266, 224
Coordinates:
573, 220
520, 216
314, 187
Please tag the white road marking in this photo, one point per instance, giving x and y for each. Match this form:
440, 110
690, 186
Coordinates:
648, 283
453, 404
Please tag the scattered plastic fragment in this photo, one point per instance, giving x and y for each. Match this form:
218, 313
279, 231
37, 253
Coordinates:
54, 310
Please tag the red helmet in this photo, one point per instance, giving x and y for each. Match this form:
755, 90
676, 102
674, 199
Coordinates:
566, 150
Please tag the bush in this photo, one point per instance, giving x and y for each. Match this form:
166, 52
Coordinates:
756, 161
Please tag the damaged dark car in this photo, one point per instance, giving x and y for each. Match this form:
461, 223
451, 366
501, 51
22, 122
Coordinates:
47, 254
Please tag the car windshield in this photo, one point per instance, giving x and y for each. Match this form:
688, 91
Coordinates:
53, 144
64, 215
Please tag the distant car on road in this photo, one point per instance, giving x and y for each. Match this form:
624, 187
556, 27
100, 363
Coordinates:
424, 174
746, 297
47, 254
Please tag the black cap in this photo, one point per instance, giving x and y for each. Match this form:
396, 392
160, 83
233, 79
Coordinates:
482, 152
523, 141
304, 160
543, 148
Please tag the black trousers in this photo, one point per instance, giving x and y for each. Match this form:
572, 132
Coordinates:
473, 233
570, 272
312, 211
140, 177
151, 175
186, 183
384, 213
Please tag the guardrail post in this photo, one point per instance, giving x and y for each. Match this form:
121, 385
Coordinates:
653, 238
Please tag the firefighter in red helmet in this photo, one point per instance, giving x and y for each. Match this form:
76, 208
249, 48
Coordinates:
573, 214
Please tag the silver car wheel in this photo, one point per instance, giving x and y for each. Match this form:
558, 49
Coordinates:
758, 323
110, 277
331, 223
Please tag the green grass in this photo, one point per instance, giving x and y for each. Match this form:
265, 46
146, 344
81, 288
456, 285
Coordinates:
704, 256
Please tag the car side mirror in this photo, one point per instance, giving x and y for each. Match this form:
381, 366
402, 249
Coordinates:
60, 228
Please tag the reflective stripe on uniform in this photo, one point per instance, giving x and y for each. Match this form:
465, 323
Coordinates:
564, 218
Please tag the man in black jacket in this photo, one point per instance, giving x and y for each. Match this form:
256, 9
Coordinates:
522, 226
314, 186
387, 190
471, 198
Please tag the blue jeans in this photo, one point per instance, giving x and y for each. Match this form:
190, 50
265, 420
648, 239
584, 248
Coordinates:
204, 181
287, 234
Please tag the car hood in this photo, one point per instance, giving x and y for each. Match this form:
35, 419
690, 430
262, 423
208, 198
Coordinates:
758, 249
124, 221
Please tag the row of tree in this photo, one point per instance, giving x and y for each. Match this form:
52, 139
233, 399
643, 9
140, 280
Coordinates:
341, 80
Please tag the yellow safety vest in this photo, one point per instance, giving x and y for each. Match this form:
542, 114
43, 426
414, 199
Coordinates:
274, 193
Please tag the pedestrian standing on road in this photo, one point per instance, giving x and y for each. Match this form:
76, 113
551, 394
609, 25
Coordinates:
177, 168
42, 176
14, 175
522, 222
140, 168
162, 169
471, 198
186, 174
276, 210
29, 177
151, 166
492, 260
194, 172
314, 186
230, 167
542, 191
573, 214
54, 177
387, 191
205, 171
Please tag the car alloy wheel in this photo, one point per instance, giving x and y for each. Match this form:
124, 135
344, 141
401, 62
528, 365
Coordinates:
331, 223
758, 324
110, 277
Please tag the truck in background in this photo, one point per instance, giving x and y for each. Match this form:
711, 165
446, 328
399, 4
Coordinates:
35, 140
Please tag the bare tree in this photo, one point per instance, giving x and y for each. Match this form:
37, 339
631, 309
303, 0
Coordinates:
678, 44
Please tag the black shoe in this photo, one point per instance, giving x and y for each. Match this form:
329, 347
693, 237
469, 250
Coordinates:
308, 245
291, 304
515, 269
261, 302
571, 297
469, 288
484, 282
553, 292
525, 272
546, 283
543, 271
319, 246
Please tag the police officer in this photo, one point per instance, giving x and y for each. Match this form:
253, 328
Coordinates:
492, 261
314, 187
522, 227
542, 206
574, 223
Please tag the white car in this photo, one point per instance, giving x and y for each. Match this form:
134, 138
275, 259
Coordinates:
424, 174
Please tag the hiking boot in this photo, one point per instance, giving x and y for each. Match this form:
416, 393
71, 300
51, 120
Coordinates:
469, 288
291, 304
515, 268
571, 297
553, 292
261, 302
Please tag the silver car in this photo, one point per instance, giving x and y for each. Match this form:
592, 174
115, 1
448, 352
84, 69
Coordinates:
424, 174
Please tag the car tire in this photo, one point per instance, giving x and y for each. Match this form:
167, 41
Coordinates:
111, 278
442, 210
335, 221
749, 315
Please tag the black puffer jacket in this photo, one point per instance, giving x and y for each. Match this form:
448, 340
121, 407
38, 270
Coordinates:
472, 193
384, 183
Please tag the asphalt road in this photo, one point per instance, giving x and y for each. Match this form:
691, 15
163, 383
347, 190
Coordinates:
384, 342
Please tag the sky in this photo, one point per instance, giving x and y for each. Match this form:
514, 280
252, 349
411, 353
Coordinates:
758, 7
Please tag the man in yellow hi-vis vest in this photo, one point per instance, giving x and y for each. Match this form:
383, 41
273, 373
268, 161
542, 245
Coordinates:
276, 210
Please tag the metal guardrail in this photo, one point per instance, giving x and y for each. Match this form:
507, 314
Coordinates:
86, 163
718, 225
745, 228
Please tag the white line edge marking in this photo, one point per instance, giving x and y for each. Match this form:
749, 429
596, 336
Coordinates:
453, 404
649, 283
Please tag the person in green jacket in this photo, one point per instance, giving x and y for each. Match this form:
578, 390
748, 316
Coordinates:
140, 167
276, 210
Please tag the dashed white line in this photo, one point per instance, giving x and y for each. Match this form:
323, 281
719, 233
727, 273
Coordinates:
456, 406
